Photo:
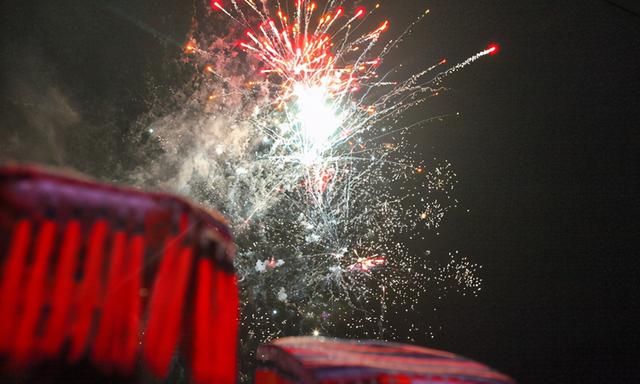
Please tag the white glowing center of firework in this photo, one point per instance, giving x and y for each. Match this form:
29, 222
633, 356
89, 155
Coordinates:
318, 120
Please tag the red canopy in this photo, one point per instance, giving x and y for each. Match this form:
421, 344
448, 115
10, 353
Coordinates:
113, 276
315, 360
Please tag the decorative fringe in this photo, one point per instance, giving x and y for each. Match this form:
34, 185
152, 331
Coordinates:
132, 305
55, 331
166, 308
158, 311
11, 284
214, 357
104, 352
52, 296
226, 335
203, 318
74, 273
89, 291
175, 306
34, 295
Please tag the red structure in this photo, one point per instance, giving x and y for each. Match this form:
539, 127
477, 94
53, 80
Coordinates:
116, 277
316, 360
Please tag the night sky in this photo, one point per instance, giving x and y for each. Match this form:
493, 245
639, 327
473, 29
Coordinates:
547, 152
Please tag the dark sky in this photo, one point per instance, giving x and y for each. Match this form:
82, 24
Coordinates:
547, 152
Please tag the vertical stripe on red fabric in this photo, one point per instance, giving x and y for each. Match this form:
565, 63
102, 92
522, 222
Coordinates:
218, 333
132, 304
108, 317
216, 327
34, 295
158, 308
173, 320
56, 326
11, 286
224, 337
203, 323
229, 361
89, 290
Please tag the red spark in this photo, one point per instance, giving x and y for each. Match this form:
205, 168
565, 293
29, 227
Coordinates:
297, 53
366, 264
493, 48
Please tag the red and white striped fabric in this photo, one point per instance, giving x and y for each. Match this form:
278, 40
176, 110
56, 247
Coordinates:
115, 277
316, 360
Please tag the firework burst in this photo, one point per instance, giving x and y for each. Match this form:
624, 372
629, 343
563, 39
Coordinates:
323, 75
290, 129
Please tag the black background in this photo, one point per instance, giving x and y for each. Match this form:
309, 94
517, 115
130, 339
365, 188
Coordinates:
547, 151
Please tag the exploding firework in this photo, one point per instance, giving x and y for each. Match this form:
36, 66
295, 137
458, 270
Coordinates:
323, 76
293, 132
